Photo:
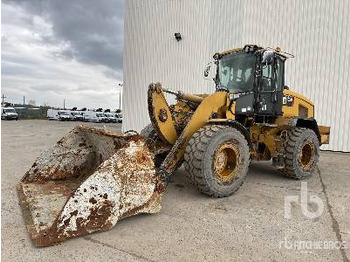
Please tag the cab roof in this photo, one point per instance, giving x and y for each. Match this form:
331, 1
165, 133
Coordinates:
254, 48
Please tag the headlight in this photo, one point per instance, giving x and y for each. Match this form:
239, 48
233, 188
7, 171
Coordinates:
234, 96
288, 100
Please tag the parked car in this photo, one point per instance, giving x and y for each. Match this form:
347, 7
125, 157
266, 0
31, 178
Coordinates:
77, 116
119, 117
97, 117
111, 118
64, 116
85, 115
8, 113
52, 114
104, 118
61, 115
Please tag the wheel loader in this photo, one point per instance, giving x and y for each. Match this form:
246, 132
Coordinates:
92, 178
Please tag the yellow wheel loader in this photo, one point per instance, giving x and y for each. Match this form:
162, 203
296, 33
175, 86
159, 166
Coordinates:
92, 178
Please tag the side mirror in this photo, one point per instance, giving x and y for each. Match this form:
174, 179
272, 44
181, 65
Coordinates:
210, 71
207, 69
267, 57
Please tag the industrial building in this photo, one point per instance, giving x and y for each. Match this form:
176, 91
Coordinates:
317, 32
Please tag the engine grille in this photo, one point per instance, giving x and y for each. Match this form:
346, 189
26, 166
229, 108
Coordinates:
303, 111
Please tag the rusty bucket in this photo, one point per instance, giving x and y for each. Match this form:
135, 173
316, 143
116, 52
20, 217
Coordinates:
87, 182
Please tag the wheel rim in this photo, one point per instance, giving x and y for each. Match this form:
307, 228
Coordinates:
307, 152
226, 159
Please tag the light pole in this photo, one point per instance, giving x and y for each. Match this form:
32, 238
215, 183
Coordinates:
3, 99
120, 95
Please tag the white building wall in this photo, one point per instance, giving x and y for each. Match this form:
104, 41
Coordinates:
317, 32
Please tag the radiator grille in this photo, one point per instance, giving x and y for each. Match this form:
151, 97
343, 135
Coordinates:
303, 112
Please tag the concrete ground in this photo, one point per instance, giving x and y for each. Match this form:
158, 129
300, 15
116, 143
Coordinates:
248, 226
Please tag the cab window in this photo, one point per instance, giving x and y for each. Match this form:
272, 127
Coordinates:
272, 76
279, 74
267, 78
236, 72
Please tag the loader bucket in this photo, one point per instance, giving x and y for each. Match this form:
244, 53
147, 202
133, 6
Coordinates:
87, 182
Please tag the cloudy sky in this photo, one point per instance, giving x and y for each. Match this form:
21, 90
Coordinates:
56, 49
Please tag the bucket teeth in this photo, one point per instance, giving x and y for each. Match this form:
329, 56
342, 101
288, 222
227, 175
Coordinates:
87, 182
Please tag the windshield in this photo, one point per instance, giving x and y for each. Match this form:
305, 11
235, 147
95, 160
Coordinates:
63, 113
236, 72
9, 110
99, 115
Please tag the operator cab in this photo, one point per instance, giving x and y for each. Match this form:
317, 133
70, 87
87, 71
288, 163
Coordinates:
254, 77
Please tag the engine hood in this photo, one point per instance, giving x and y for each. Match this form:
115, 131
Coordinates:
299, 96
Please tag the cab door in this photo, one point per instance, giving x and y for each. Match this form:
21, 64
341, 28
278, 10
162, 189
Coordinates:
270, 97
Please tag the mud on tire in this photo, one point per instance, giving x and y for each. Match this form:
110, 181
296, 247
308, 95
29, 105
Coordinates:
301, 149
202, 162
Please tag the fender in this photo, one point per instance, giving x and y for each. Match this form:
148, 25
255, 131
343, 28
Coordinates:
235, 124
310, 123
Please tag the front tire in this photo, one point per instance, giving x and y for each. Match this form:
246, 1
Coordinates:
302, 150
217, 159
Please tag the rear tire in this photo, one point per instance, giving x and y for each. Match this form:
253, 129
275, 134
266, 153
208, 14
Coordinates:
301, 148
217, 159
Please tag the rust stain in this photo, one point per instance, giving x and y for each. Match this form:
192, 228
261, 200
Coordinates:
87, 182
92, 200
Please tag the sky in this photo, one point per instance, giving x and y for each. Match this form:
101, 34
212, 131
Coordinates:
56, 49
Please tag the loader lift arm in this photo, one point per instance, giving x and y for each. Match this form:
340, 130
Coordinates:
214, 104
